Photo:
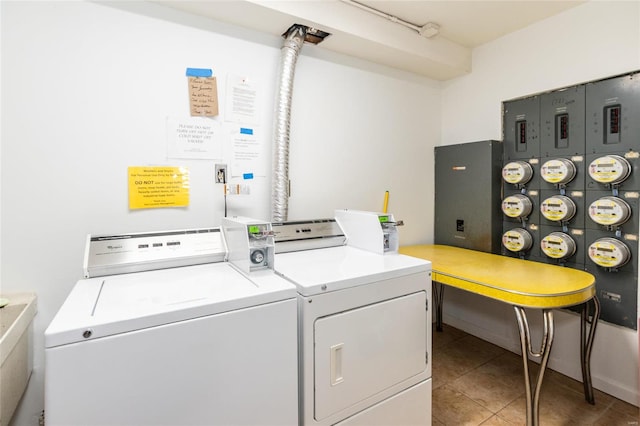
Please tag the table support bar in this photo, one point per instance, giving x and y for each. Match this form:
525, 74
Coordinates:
533, 394
438, 296
586, 344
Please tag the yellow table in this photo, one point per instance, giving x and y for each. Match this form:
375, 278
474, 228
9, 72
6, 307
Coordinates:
522, 284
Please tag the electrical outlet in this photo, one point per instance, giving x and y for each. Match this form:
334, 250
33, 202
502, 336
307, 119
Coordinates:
221, 173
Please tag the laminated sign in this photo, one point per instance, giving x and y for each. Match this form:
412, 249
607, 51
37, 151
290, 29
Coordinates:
156, 187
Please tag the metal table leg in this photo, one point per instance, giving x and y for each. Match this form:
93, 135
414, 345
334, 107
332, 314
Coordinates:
438, 297
586, 344
533, 395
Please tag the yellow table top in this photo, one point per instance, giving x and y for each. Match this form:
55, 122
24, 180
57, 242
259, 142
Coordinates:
515, 281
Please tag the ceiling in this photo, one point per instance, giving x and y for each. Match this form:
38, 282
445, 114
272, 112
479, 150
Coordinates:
358, 31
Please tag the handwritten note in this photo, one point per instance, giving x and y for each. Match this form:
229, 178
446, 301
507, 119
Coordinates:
203, 96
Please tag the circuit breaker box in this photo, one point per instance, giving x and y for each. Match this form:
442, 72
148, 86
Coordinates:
467, 195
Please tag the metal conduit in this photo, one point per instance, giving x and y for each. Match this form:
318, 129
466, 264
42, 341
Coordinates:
280, 185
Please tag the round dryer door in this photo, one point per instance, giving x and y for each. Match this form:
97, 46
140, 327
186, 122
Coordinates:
609, 211
558, 171
558, 208
517, 240
609, 253
517, 206
609, 169
558, 245
517, 172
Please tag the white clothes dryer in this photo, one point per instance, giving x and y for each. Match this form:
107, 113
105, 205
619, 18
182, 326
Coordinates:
176, 344
365, 332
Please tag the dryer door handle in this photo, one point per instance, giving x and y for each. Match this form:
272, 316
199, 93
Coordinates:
336, 364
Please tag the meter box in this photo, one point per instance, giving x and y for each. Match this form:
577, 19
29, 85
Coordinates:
605, 211
562, 122
611, 252
613, 171
521, 174
613, 261
371, 231
250, 243
613, 114
520, 242
562, 173
468, 183
520, 207
562, 246
562, 210
521, 128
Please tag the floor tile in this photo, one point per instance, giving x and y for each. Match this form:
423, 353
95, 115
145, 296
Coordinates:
496, 421
611, 417
448, 335
450, 407
477, 383
461, 356
495, 384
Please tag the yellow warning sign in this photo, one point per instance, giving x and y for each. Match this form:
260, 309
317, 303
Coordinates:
156, 187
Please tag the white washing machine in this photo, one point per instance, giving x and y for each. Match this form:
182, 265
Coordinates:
365, 331
174, 344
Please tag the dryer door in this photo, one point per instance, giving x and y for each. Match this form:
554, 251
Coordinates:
365, 351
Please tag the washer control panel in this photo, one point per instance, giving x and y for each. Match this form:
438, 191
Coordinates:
250, 243
145, 251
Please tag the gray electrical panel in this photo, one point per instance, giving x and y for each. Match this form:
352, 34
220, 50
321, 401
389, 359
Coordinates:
467, 195
562, 122
521, 128
612, 111
572, 192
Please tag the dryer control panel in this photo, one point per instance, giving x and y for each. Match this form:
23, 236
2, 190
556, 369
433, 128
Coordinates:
371, 231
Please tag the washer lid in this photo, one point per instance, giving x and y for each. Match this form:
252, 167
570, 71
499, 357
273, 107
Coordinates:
104, 306
336, 268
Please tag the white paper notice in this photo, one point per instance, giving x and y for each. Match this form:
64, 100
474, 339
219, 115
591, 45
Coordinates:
196, 138
241, 96
247, 152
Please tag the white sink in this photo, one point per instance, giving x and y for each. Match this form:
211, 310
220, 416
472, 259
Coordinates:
16, 350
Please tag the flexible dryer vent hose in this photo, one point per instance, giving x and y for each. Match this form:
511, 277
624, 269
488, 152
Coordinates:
280, 185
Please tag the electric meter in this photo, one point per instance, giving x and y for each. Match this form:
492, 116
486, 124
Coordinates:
610, 169
558, 171
609, 252
517, 240
517, 172
609, 211
517, 206
558, 245
558, 208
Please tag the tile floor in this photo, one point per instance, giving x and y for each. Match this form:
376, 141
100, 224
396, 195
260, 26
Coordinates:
478, 383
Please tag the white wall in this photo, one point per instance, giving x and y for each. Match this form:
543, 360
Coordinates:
86, 89
589, 42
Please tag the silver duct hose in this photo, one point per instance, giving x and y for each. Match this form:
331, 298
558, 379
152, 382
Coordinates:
280, 185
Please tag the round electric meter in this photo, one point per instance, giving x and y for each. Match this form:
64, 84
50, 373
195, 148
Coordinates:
517, 172
517, 206
558, 208
558, 245
558, 171
609, 169
517, 240
609, 211
609, 252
